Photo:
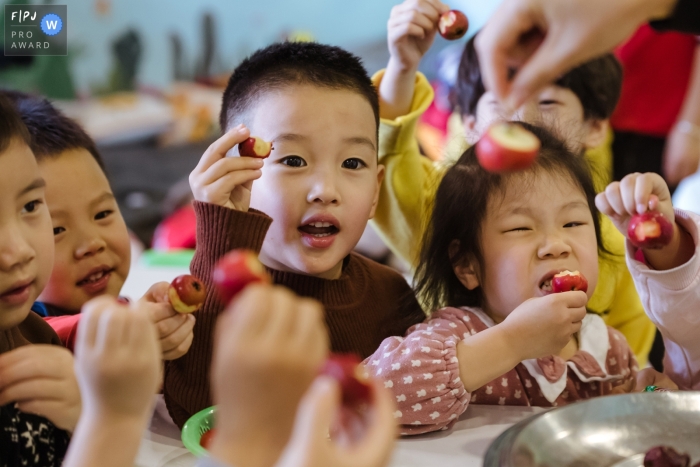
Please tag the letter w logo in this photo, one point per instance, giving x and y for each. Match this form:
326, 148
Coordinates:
51, 24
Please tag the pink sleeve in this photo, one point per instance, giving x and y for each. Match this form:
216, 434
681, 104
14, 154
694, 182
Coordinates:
66, 327
672, 301
423, 372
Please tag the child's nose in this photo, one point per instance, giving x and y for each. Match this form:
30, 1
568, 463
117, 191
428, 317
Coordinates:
324, 192
14, 250
554, 247
90, 247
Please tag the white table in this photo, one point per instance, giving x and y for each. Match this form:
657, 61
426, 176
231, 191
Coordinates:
463, 446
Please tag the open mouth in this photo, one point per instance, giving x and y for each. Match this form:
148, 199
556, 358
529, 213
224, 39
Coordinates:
95, 277
319, 229
546, 286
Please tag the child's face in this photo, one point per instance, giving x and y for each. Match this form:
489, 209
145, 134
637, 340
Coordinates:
92, 242
26, 243
555, 107
323, 170
541, 226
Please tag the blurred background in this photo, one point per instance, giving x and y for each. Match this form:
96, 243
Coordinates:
145, 77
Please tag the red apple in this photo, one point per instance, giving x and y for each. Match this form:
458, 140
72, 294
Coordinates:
665, 456
186, 294
205, 440
650, 230
346, 369
453, 25
235, 271
507, 147
566, 281
255, 147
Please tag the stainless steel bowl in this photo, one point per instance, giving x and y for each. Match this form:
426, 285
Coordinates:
606, 431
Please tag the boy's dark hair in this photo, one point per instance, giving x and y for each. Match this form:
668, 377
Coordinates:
460, 207
51, 131
11, 125
287, 63
597, 84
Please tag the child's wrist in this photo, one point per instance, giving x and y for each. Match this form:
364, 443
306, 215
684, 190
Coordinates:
399, 67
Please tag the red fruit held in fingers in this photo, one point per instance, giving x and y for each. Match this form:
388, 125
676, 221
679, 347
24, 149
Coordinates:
665, 456
186, 294
650, 230
346, 369
453, 25
205, 440
506, 147
566, 281
255, 147
235, 271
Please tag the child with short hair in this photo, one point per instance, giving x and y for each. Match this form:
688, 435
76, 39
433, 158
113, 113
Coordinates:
39, 396
499, 335
303, 209
576, 108
92, 252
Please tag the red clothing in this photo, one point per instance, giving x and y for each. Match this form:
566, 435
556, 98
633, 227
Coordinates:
66, 327
657, 68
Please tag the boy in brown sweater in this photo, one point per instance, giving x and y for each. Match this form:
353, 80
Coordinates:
306, 211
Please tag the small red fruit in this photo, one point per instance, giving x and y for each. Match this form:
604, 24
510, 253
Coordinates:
453, 25
566, 281
665, 456
507, 147
186, 294
235, 271
205, 440
255, 147
346, 369
650, 230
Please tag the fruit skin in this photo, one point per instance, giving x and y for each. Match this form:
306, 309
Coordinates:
345, 368
453, 25
566, 281
206, 438
236, 270
186, 294
650, 230
255, 147
495, 157
664, 456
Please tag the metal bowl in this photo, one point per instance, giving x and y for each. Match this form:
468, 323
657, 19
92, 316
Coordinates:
606, 431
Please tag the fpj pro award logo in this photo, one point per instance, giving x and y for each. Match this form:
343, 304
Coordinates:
36, 29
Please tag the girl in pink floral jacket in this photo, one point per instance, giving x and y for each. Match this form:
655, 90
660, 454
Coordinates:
500, 335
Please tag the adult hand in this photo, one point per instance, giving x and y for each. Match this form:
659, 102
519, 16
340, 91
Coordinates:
542, 39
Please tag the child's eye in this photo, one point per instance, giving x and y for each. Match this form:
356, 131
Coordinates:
353, 163
31, 206
519, 229
548, 102
102, 214
58, 230
293, 161
574, 224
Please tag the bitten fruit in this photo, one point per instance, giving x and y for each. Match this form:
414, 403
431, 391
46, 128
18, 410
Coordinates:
186, 294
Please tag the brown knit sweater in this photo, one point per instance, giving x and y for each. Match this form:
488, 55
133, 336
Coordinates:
368, 303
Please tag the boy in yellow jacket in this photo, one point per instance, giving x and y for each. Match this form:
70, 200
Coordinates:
576, 107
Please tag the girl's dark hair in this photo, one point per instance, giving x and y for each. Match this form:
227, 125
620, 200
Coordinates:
459, 210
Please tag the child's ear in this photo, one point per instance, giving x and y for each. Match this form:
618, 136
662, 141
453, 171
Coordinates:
469, 124
597, 133
465, 269
380, 178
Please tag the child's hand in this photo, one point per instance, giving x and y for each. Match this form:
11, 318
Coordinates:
41, 380
175, 330
646, 377
310, 447
226, 181
117, 360
635, 194
411, 30
543, 326
268, 348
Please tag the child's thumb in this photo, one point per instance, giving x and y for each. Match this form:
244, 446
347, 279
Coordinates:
317, 410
